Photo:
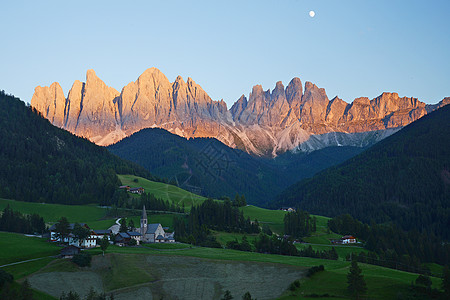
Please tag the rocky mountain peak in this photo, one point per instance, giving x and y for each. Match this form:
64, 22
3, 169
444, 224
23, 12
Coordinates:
266, 123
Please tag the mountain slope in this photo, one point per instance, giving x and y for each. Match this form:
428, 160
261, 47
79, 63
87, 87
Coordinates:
208, 167
404, 179
42, 163
268, 123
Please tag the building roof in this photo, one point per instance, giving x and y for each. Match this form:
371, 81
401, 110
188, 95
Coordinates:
102, 231
123, 235
159, 237
347, 237
133, 233
136, 189
151, 228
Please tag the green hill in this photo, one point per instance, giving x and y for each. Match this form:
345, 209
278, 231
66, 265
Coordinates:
404, 179
164, 191
42, 163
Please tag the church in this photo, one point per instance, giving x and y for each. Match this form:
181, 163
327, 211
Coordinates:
153, 233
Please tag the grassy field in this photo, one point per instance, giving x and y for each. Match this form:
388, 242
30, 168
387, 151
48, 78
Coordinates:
341, 250
383, 283
53, 212
17, 247
273, 218
164, 191
123, 267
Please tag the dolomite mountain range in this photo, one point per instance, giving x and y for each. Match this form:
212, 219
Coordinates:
266, 124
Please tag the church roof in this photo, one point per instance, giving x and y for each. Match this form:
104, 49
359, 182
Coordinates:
151, 228
159, 237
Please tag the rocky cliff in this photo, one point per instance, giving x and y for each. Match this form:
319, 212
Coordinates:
267, 123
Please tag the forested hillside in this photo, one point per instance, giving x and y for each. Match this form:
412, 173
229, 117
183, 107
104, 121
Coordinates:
42, 163
404, 179
208, 167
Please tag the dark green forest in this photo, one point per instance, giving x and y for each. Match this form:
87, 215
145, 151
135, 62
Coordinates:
404, 180
42, 163
208, 167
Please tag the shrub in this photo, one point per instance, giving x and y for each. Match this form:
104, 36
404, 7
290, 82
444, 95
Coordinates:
82, 259
5, 277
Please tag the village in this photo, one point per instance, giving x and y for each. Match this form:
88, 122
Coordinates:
118, 234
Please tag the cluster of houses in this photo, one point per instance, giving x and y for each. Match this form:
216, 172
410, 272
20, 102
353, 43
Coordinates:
147, 233
136, 190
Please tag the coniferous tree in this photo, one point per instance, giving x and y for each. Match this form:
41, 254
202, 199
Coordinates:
227, 295
356, 283
104, 244
123, 225
62, 229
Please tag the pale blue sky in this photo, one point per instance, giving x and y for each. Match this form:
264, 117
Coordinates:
350, 48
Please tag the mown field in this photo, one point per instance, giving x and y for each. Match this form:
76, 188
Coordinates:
168, 192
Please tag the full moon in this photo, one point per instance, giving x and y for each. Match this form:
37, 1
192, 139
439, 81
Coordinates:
312, 14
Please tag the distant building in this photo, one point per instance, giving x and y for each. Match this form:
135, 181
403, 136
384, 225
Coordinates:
124, 187
289, 209
101, 233
348, 239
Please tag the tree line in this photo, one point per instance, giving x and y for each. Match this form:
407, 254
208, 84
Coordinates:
15, 221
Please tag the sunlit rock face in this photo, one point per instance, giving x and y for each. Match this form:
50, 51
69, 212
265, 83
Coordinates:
266, 124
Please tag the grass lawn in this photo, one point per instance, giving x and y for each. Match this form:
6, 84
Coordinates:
164, 191
167, 246
17, 247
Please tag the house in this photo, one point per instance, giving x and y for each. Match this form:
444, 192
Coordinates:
69, 251
135, 236
153, 233
138, 190
348, 239
289, 209
101, 233
122, 239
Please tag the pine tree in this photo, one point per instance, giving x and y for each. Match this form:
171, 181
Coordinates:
356, 283
227, 295
123, 225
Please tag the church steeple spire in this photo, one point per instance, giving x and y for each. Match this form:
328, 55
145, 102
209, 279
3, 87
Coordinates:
144, 222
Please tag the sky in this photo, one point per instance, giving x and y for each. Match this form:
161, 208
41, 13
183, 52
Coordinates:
350, 48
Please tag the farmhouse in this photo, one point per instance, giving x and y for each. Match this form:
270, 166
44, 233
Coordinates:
348, 239
138, 190
71, 239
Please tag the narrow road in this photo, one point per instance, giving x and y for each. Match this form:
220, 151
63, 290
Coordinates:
24, 261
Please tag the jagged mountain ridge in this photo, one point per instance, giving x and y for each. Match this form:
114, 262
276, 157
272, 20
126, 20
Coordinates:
267, 123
